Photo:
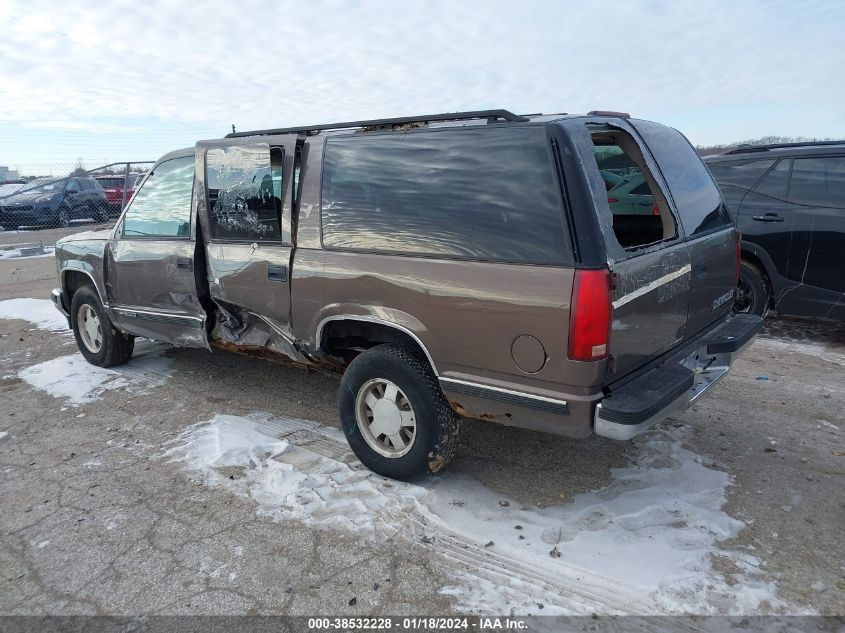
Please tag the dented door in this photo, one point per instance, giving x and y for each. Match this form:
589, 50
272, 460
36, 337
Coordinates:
247, 186
149, 267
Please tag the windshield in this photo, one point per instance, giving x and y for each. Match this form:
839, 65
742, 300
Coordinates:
44, 184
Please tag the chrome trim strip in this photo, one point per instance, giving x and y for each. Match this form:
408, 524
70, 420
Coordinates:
89, 275
639, 292
369, 319
131, 312
521, 394
275, 328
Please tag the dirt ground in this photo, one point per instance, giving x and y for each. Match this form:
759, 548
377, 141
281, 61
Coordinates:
94, 521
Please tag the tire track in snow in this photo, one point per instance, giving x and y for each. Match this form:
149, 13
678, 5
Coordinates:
566, 588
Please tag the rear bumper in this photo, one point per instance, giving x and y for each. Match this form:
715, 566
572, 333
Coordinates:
676, 384
60, 301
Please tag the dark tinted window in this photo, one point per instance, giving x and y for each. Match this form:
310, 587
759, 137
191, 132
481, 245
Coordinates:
473, 193
742, 173
245, 192
696, 197
774, 184
818, 181
162, 207
73, 187
110, 183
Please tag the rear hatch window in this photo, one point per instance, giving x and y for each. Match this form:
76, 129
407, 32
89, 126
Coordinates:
696, 196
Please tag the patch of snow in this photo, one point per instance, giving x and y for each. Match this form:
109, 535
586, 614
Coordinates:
40, 312
14, 253
3, 434
642, 545
816, 350
73, 378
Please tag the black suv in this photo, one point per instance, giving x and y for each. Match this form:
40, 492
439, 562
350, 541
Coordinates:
51, 203
789, 202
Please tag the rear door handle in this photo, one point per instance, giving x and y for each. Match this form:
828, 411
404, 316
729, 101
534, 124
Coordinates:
769, 217
184, 263
277, 273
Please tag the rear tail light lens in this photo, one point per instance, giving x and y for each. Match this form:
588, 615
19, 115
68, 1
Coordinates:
591, 312
655, 210
609, 200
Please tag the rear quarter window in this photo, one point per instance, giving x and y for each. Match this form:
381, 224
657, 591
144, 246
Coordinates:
486, 194
742, 173
697, 198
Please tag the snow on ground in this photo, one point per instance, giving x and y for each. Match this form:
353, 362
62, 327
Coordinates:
14, 253
642, 545
73, 378
3, 434
40, 312
815, 350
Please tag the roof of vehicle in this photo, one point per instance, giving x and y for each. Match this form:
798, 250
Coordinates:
447, 119
775, 150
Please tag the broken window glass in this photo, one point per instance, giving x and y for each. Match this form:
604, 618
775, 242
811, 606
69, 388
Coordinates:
245, 192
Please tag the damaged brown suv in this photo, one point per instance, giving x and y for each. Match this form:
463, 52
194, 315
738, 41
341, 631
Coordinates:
565, 274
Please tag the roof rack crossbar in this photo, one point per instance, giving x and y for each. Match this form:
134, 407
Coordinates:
490, 115
742, 149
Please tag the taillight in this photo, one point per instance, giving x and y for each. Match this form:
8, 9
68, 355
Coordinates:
609, 200
655, 210
590, 315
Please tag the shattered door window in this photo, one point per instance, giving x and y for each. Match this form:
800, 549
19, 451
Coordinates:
245, 192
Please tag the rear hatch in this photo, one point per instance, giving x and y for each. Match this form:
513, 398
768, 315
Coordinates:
670, 244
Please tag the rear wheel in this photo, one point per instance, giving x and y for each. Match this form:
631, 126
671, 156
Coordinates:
752, 291
395, 417
98, 340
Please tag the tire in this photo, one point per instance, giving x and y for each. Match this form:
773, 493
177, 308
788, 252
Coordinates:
435, 437
752, 292
63, 217
101, 213
115, 348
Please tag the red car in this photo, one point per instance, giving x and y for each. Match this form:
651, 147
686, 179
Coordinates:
113, 186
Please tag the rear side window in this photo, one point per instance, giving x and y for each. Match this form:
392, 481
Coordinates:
775, 183
697, 198
818, 181
245, 192
740, 174
487, 194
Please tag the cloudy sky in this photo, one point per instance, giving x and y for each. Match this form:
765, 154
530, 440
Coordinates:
130, 80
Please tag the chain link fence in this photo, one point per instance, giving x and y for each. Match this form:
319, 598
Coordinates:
43, 203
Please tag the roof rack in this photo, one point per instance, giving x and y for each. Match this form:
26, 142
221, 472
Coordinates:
492, 116
742, 149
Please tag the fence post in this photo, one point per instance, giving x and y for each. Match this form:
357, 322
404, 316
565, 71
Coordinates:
125, 183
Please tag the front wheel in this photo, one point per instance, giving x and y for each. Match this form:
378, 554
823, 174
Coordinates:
394, 415
752, 292
101, 213
98, 340
63, 217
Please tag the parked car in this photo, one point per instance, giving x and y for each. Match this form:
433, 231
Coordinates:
611, 180
48, 202
789, 202
465, 264
8, 188
632, 197
113, 186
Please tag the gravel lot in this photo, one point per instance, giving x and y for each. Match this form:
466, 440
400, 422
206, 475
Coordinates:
96, 520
